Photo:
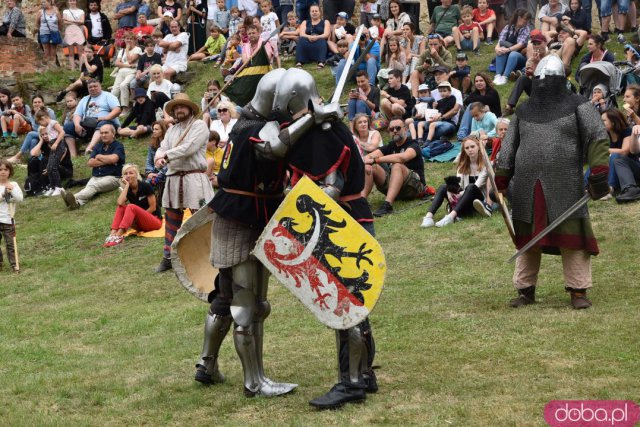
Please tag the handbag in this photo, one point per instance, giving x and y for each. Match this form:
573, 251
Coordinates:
54, 36
89, 123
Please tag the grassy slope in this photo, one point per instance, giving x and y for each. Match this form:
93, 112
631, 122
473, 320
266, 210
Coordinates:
91, 336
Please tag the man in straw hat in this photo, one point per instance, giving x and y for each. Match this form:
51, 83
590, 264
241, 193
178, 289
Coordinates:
183, 150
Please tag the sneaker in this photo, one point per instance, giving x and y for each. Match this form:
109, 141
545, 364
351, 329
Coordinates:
629, 194
444, 221
114, 241
620, 38
427, 222
489, 42
108, 240
501, 80
496, 78
482, 208
476, 52
48, 192
56, 192
383, 210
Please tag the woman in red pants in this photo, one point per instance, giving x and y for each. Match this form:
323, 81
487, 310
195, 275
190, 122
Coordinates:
137, 207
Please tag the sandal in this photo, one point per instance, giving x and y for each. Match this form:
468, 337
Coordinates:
299, 65
320, 65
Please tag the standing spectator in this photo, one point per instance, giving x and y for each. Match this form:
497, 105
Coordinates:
176, 44
98, 25
619, 21
143, 112
16, 119
100, 108
10, 194
286, 7
365, 99
126, 12
513, 39
222, 19
48, 22
396, 21
13, 23
39, 181
444, 18
172, 6
74, 36
396, 169
187, 185
141, 212
577, 17
396, 100
196, 24
234, 21
106, 168
368, 8
313, 35
126, 64
248, 7
145, 62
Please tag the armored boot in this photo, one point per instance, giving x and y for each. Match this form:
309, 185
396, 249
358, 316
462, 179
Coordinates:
579, 298
258, 328
215, 329
526, 296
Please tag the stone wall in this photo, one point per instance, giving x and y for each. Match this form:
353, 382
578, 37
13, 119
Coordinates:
19, 56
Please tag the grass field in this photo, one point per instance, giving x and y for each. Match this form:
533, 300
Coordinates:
92, 337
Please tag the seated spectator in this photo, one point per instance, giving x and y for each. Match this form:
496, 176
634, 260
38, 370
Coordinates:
413, 46
600, 98
597, 52
396, 21
159, 90
483, 122
441, 75
434, 56
254, 43
396, 169
486, 18
143, 30
495, 143
513, 38
444, 18
577, 17
313, 36
70, 105
371, 62
38, 180
5, 100
570, 41
33, 136
231, 57
176, 43
214, 154
126, 12
365, 99
164, 24
335, 60
143, 112
342, 29
441, 125
523, 84
126, 65
466, 36
93, 111
137, 207
155, 176
376, 30
17, 119
98, 26
550, 15
145, 61
212, 47
13, 23
396, 100
459, 76
367, 138
396, 60
628, 171
91, 68
106, 163
171, 6
51, 143
289, 35
483, 92
471, 193
227, 118
210, 108
631, 106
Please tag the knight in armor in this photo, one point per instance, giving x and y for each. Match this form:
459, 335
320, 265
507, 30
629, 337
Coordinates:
551, 136
331, 158
251, 182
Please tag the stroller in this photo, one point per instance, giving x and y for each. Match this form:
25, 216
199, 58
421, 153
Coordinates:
600, 72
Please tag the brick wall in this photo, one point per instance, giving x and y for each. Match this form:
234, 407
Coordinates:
19, 56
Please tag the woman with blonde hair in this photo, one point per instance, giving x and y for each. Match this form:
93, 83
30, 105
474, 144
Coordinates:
227, 118
141, 212
367, 138
466, 191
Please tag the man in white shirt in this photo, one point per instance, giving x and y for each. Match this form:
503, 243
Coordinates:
176, 45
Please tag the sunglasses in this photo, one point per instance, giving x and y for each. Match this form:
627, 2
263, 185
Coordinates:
433, 36
395, 128
223, 110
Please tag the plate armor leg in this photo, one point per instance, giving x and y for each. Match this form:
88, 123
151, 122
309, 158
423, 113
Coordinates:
216, 328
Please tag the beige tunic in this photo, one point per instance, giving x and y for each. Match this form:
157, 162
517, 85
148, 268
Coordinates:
187, 157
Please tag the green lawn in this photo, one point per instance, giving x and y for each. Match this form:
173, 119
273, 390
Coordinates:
91, 336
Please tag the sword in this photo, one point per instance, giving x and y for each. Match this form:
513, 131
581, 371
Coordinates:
345, 72
360, 59
551, 226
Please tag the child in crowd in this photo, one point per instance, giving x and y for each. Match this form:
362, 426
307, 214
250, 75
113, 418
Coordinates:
70, 104
286, 7
376, 29
441, 122
5, 100
466, 36
396, 60
222, 17
154, 175
147, 59
157, 37
212, 47
486, 18
483, 121
460, 75
423, 109
233, 53
16, 119
600, 98
248, 8
215, 150
269, 23
52, 135
234, 21
289, 35
10, 194
343, 52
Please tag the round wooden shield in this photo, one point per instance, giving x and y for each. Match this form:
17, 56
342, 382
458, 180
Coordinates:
190, 255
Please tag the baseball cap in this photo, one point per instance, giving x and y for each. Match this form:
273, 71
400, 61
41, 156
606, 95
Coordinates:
537, 36
444, 84
423, 87
462, 55
344, 15
441, 69
140, 92
376, 16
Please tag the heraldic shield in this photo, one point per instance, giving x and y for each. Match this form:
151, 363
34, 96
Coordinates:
190, 255
323, 256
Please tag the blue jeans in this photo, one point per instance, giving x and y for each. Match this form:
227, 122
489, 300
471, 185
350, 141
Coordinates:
605, 7
30, 141
465, 124
512, 61
371, 65
614, 182
443, 129
70, 129
358, 106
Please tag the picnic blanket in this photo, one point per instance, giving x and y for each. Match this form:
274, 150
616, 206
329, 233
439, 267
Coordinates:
155, 233
448, 156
